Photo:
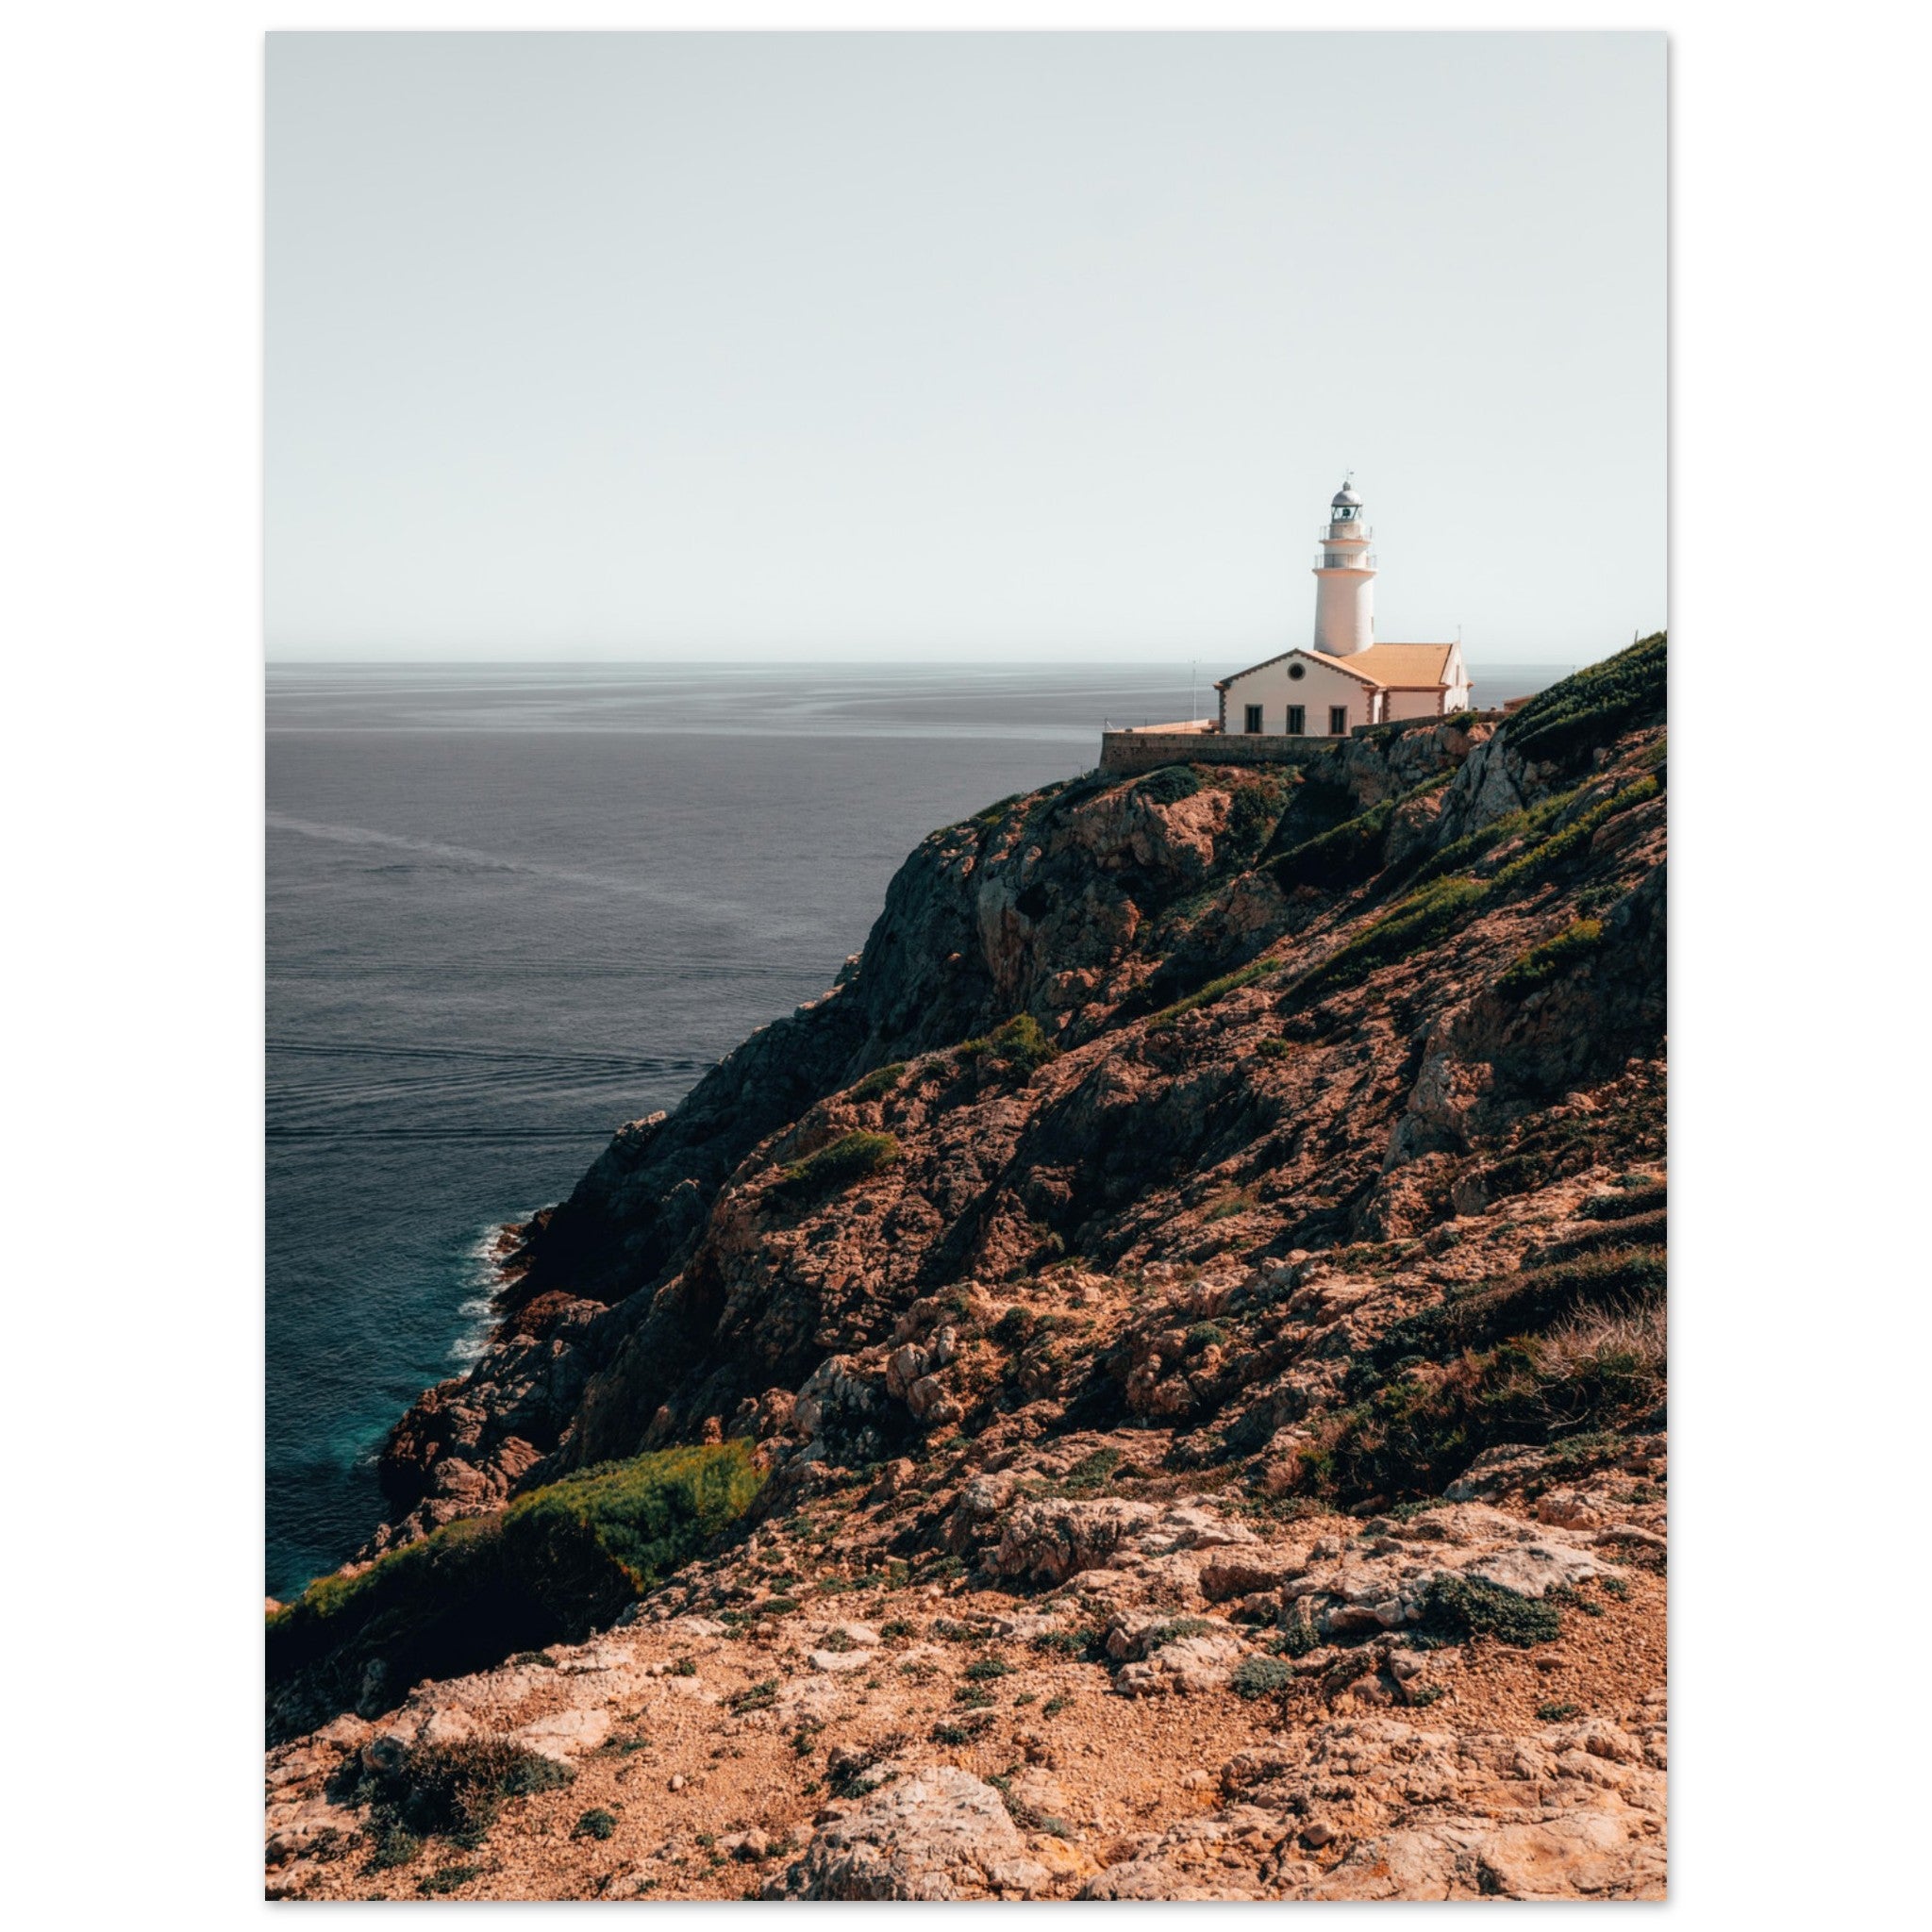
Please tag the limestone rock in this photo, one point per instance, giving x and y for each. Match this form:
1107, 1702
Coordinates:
939, 1833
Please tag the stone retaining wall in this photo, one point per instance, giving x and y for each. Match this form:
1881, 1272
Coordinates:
1122, 752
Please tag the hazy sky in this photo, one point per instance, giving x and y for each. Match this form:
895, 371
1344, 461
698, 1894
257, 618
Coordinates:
849, 345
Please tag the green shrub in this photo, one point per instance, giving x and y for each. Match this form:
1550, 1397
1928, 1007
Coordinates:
1174, 1631
1461, 853
449, 1878
1459, 1607
880, 1080
849, 1159
983, 1670
597, 1824
1015, 1328
547, 1569
1542, 857
1594, 707
454, 1792
1204, 1335
1090, 1474
1071, 1643
1578, 940
1260, 1676
1168, 785
1425, 915
1021, 1047
1555, 1713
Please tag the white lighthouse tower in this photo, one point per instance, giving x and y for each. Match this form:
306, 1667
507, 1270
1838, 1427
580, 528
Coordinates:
1344, 580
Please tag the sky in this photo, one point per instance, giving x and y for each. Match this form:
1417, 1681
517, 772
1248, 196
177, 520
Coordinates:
937, 347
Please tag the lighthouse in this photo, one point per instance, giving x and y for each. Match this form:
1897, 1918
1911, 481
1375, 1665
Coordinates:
1344, 580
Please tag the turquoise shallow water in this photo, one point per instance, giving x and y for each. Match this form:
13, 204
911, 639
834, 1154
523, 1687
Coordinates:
509, 908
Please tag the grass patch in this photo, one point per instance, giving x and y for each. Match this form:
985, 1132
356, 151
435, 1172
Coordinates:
1594, 707
1580, 940
1425, 915
1542, 857
849, 1159
1563, 1354
1214, 990
1523, 1304
1021, 1047
879, 1081
547, 1569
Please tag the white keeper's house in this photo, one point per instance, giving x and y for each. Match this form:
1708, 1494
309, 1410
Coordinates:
1345, 677
1285, 707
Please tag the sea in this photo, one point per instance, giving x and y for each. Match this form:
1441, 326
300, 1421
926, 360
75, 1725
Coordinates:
509, 907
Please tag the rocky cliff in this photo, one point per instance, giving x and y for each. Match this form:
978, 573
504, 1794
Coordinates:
1206, 1252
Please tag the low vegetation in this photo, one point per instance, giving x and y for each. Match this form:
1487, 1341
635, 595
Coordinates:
1578, 940
1460, 1607
1020, 1047
1419, 920
547, 1569
1570, 720
1214, 990
454, 1792
846, 1161
877, 1083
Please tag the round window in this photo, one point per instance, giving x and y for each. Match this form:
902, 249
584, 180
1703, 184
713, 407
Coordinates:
1297, 670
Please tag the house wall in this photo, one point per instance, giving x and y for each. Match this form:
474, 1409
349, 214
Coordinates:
1412, 704
1455, 676
1273, 689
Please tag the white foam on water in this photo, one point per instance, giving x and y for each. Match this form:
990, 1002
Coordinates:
484, 1279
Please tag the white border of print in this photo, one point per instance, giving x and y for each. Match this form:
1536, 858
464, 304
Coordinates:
133, 771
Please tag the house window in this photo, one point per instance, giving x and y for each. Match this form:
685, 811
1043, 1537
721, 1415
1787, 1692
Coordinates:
1337, 721
1254, 717
1297, 720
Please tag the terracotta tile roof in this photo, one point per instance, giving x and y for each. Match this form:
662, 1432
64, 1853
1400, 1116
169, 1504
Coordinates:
1408, 667
1405, 664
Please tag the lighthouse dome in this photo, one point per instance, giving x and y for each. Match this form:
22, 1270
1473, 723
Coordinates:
1345, 498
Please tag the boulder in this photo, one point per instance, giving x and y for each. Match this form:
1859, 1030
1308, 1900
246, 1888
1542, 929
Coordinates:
939, 1833
1050, 1540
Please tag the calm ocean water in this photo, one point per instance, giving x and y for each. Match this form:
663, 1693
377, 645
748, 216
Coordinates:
509, 908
